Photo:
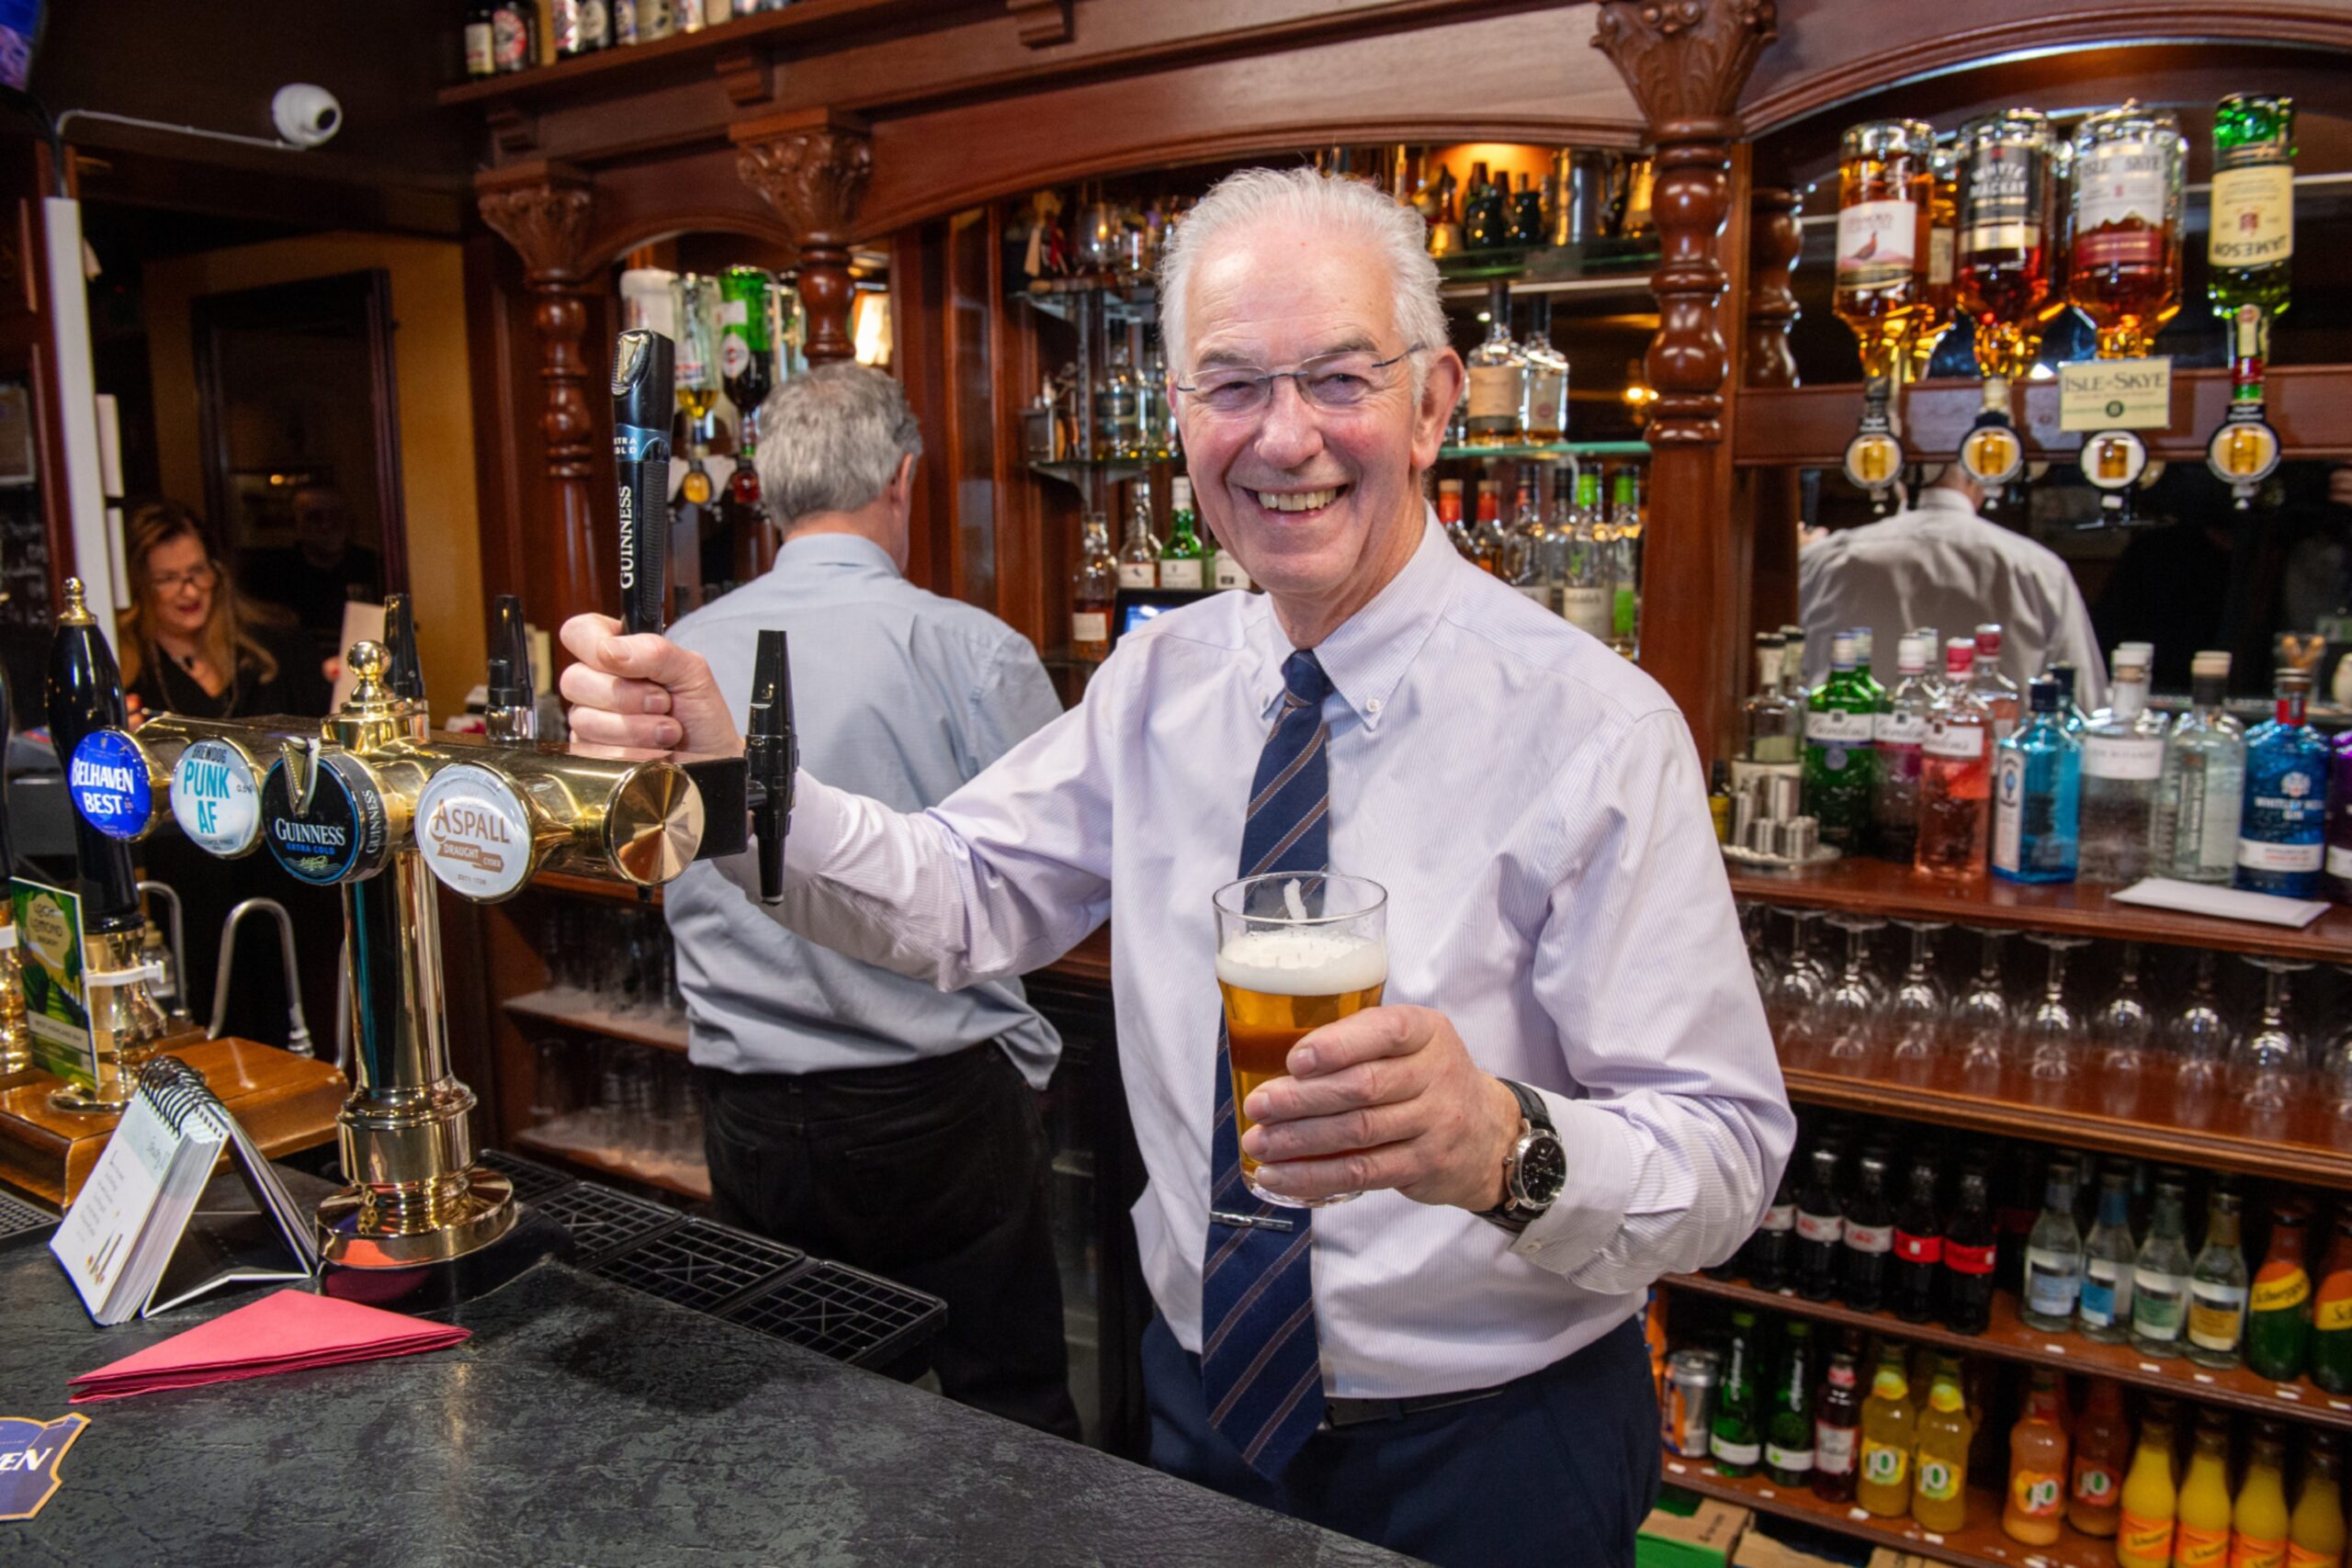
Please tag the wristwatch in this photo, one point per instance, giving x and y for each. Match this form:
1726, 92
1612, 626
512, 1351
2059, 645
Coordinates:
1536, 1168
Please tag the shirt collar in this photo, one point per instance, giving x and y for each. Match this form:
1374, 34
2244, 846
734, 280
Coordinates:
835, 550
1367, 655
1939, 498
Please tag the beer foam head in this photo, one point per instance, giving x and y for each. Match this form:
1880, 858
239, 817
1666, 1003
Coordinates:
1278, 961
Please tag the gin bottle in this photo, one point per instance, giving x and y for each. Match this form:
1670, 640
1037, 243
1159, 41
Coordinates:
1902, 729
2282, 828
2036, 795
1998, 693
2123, 764
1956, 775
2196, 833
1840, 769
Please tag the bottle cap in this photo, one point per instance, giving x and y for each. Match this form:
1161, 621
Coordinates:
1988, 639
1863, 645
2064, 674
2141, 653
2210, 663
1960, 656
2294, 680
1183, 490
1842, 650
1446, 487
2044, 695
1911, 655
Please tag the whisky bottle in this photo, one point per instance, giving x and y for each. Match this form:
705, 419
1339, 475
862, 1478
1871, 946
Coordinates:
1498, 382
1091, 590
2123, 262
1183, 563
2008, 212
1139, 551
1938, 266
2252, 240
1884, 188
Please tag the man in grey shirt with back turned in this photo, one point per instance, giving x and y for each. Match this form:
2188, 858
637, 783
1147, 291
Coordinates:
853, 1111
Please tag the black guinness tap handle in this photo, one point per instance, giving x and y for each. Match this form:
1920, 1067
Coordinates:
85, 694
510, 643
772, 750
644, 397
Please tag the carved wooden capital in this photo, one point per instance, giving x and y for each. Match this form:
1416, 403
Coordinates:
748, 75
1685, 59
543, 212
812, 168
1042, 22
1774, 240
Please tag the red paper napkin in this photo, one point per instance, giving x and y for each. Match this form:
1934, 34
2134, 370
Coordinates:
283, 1332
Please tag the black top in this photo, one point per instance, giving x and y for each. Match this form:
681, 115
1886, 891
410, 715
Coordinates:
300, 687
316, 594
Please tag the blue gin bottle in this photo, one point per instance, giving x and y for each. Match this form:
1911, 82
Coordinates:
2038, 794
2282, 829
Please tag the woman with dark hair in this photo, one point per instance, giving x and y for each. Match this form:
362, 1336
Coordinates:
192, 644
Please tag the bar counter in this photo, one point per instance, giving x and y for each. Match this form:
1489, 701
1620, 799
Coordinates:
583, 1423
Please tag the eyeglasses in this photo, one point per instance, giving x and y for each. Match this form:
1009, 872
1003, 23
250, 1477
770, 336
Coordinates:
1335, 381
199, 577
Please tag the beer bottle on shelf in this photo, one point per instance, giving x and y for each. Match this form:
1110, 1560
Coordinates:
2332, 1312
1968, 1259
1788, 1431
1836, 1423
1732, 1439
1870, 1236
2277, 1324
1820, 1228
2104, 1311
2315, 1532
2036, 1507
1770, 1253
2102, 1450
1919, 1248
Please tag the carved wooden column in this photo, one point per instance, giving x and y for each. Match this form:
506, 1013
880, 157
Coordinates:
1773, 241
812, 166
1687, 61
542, 210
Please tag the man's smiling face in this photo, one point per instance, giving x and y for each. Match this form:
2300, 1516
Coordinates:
1323, 506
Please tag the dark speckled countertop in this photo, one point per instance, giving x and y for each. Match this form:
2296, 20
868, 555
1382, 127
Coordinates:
583, 1423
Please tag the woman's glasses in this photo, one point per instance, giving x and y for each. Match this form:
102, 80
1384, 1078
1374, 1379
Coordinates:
204, 576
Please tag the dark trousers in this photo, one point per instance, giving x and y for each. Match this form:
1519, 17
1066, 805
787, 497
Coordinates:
1559, 1467
932, 1173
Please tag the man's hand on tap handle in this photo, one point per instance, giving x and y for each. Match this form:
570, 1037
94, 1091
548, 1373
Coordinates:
643, 691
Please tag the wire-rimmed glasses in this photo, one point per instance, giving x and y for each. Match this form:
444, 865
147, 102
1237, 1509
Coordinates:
1336, 381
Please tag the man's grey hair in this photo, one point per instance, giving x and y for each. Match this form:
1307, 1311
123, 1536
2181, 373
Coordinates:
830, 441
1346, 210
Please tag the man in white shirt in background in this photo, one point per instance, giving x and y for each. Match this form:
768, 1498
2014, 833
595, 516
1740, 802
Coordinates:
1941, 563
1571, 1088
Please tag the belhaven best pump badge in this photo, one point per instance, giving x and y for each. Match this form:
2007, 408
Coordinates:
29, 1452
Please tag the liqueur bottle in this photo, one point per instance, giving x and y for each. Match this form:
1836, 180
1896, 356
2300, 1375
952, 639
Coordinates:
1585, 590
2249, 248
1139, 551
1770, 730
1885, 189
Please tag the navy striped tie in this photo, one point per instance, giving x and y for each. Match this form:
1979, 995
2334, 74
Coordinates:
1261, 1368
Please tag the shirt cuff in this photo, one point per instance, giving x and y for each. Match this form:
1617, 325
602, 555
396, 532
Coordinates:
1591, 1206
822, 819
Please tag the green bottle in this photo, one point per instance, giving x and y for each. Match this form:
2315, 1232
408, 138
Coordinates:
746, 353
1183, 560
2331, 1309
1840, 761
2278, 1321
2250, 247
1788, 1432
1733, 1437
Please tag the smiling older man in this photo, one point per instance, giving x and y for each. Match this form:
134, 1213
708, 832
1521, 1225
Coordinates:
1571, 1089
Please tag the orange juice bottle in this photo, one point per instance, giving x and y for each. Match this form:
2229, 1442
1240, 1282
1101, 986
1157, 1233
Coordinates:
2035, 1512
2258, 1520
2201, 1537
2145, 1540
1939, 1485
1890, 1428
2315, 1534
2102, 1441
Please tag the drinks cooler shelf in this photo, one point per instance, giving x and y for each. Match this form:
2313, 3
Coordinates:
572, 1010
2148, 1120
2009, 1338
686, 1181
1978, 1544
1861, 885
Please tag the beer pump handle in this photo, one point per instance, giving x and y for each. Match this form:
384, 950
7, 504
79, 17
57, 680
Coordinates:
772, 750
85, 694
508, 706
403, 671
644, 397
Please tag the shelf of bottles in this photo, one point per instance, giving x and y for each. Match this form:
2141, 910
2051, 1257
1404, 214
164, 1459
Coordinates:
503, 36
2002, 1289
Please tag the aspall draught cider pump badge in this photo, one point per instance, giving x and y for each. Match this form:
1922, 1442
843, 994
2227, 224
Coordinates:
215, 800
109, 782
475, 832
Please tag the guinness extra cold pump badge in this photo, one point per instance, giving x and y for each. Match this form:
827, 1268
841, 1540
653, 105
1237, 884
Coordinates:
216, 799
475, 832
332, 832
109, 782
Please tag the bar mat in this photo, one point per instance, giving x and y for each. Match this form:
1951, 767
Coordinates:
602, 1221
532, 1181
20, 1222
843, 1312
700, 1265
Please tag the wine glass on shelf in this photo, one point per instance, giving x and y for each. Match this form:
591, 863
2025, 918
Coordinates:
1799, 983
2123, 1027
2336, 1064
1981, 1019
2047, 1033
1846, 1017
2198, 1034
1915, 1011
1760, 953
2267, 1066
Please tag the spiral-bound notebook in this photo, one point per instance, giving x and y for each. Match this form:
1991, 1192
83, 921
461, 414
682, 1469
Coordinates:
128, 1242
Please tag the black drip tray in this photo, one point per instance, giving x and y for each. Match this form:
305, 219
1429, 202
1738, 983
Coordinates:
700, 1265
532, 1181
602, 1221
843, 1312
20, 1222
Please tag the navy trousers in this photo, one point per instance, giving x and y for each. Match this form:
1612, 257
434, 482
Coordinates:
1560, 1467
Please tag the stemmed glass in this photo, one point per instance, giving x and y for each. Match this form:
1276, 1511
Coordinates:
1759, 955
1981, 1017
1845, 1016
2336, 1064
1915, 1011
2046, 1034
2200, 1036
1801, 984
2123, 1025
2265, 1064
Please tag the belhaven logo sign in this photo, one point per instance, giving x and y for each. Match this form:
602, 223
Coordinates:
29, 1452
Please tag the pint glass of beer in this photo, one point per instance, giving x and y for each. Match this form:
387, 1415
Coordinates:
1294, 952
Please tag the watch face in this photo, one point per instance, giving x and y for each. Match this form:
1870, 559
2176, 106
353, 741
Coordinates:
1543, 1170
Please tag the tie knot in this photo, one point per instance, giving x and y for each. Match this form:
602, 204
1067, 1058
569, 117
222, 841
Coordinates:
1303, 677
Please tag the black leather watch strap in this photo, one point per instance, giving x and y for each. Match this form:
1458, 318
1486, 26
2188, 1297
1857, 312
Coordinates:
1531, 1110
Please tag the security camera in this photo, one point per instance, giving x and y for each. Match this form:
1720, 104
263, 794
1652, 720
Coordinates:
306, 115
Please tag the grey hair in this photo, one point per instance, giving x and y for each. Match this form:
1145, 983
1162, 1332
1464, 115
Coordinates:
1344, 209
830, 441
